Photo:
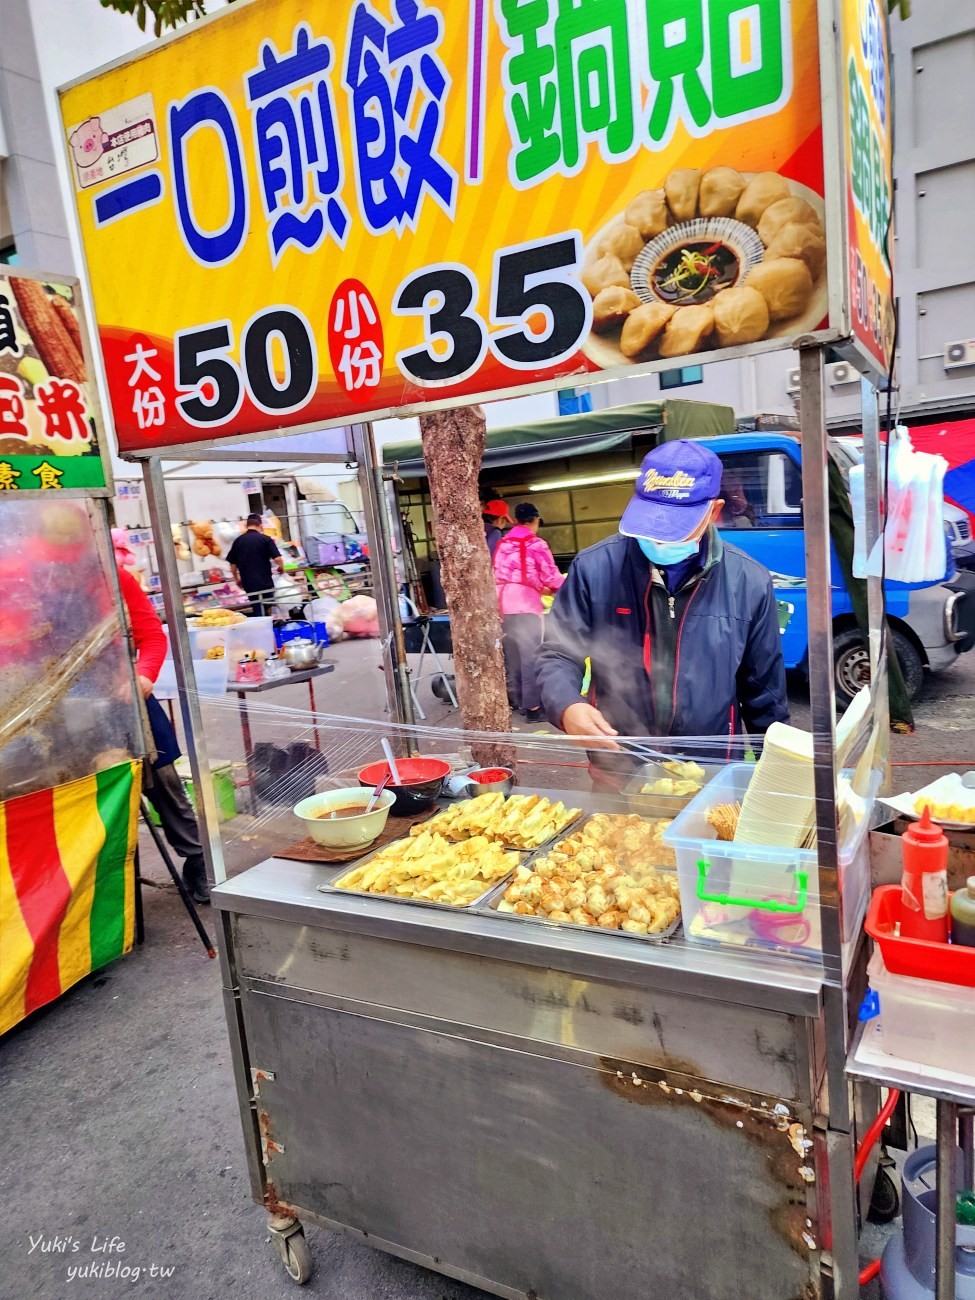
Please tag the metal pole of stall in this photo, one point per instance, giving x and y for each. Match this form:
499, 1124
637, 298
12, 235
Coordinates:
876, 604
206, 805
871, 494
179, 641
395, 664
945, 1174
815, 498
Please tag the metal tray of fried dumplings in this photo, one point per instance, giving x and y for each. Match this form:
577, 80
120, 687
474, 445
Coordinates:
333, 886
490, 903
571, 825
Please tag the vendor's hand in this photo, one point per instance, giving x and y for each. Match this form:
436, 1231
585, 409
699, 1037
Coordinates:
145, 686
583, 720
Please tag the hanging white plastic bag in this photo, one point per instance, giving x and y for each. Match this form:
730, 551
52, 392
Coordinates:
900, 505
287, 594
914, 539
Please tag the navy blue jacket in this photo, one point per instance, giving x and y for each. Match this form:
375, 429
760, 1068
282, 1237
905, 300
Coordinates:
725, 673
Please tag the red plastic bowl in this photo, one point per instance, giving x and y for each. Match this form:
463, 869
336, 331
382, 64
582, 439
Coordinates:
421, 780
919, 958
412, 771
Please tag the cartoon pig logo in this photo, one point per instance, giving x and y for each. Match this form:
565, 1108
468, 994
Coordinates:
88, 142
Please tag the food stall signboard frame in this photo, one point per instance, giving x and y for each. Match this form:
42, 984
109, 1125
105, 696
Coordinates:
285, 227
52, 438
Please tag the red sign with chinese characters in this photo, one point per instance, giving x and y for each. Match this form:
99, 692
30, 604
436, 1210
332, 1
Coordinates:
48, 406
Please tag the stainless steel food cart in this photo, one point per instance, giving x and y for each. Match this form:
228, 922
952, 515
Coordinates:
537, 1111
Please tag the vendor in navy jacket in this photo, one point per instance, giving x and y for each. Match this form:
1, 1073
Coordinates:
681, 629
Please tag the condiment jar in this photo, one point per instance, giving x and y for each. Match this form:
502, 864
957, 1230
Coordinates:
963, 915
924, 883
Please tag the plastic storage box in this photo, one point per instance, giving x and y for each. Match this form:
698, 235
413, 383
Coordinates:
223, 786
211, 678
742, 895
324, 548
755, 895
252, 634
925, 1021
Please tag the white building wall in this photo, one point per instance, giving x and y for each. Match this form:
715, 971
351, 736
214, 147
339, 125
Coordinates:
35, 215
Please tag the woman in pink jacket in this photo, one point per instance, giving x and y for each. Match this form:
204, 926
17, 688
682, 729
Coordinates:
523, 570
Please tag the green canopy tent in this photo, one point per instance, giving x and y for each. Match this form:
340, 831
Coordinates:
580, 435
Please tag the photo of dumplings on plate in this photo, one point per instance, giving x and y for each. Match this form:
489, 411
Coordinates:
711, 259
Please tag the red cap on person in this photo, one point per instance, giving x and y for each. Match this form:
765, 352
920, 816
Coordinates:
496, 509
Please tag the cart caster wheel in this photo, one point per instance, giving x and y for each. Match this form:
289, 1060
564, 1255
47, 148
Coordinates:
295, 1254
885, 1201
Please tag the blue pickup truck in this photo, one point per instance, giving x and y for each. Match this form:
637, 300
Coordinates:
762, 487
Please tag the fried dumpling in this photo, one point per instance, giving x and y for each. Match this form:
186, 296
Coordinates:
721, 189
623, 241
740, 316
647, 213
686, 330
785, 284
602, 273
780, 213
681, 188
759, 194
642, 327
612, 305
805, 242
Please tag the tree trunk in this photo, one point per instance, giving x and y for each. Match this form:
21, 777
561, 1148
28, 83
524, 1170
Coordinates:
453, 444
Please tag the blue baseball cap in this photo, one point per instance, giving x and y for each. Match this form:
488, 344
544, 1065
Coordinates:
676, 485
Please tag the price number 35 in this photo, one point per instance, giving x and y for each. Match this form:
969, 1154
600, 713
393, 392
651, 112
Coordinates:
540, 311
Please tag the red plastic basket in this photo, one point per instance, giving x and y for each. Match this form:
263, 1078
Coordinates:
919, 958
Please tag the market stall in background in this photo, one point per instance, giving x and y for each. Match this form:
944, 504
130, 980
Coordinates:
70, 740
518, 990
319, 533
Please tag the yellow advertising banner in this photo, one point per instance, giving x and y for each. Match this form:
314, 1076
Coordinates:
300, 217
869, 184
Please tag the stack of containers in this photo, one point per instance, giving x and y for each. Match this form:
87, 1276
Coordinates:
237, 639
925, 985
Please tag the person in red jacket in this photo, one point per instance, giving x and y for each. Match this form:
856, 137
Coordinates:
163, 787
524, 570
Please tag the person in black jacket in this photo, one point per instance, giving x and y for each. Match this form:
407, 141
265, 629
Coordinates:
681, 630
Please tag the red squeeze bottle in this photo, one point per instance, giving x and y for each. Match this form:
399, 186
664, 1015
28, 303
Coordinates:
924, 884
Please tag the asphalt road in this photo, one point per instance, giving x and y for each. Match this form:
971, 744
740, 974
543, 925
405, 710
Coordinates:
944, 721
121, 1121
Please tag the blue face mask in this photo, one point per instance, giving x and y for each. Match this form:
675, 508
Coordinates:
664, 554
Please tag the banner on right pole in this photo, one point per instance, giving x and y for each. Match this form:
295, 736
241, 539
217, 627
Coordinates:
868, 187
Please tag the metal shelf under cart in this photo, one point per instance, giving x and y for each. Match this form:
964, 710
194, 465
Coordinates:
955, 1101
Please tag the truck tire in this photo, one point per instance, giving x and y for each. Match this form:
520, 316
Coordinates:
851, 661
